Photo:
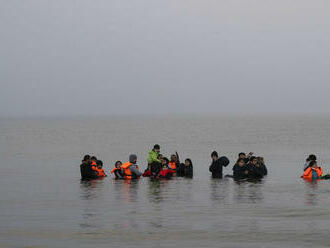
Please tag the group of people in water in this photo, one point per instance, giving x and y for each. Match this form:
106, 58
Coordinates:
247, 166
158, 167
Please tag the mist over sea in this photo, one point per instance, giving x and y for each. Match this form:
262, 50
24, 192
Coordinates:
44, 203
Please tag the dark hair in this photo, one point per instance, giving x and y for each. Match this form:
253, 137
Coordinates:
156, 147
311, 157
240, 159
99, 162
118, 162
252, 158
241, 153
214, 154
86, 157
166, 159
189, 160
312, 163
93, 158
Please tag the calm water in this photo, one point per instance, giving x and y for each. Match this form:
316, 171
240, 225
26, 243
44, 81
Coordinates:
44, 203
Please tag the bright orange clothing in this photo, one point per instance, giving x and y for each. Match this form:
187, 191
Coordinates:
127, 171
101, 172
172, 165
308, 174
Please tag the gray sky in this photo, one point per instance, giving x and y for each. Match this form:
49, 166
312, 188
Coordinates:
78, 57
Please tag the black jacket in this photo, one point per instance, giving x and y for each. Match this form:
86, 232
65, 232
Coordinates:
188, 171
239, 172
119, 174
87, 172
216, 167
254, 171
155, 168
180, 170
264, 169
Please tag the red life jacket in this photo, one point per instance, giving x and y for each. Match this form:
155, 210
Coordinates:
164, 173
147, 173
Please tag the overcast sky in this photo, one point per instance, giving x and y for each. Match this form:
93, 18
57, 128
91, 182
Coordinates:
108, 57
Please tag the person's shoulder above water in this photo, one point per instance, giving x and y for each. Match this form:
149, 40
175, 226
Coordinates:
313, 171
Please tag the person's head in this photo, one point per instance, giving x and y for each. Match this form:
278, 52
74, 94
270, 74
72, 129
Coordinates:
241, 162
99, 164
241, 155
214, 155
311, 157
133, 158
157, 148
93, 158
254, 160
118, 164
165, 161
313, 164
165, 167
173, 158
160, 156
86, 159
188, 162
261, 160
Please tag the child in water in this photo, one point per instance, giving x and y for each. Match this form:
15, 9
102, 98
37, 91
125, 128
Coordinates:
165, 172
118, 171
100, 171
240, 169
313, 171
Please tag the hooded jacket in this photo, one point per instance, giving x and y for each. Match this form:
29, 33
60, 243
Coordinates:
216, 166
153, 157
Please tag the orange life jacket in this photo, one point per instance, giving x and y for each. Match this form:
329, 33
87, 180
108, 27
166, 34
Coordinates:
93, 163
172, 165
127, 171
101, 172
308, 174
114, 169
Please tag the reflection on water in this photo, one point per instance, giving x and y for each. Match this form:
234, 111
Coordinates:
90, 188
130, 190
90, 194
219, 190
154, 191
311, 192
248, 191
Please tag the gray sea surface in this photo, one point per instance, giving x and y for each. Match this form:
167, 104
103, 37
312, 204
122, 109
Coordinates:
44, 203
